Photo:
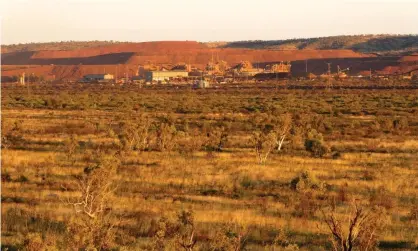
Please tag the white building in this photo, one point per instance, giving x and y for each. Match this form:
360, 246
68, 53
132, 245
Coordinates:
151, 76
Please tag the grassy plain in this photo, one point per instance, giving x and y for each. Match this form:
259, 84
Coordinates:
371, 138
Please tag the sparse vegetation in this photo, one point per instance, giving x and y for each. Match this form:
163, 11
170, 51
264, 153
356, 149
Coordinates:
117, 168
360, 231
363, 43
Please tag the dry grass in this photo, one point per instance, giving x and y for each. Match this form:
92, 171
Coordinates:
222, 188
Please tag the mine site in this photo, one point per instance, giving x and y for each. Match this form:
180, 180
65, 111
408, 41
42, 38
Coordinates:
202, 64
288, 128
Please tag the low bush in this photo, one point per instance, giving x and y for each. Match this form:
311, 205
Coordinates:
304, 181
316, 147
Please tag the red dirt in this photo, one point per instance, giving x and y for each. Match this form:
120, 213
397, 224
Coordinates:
166, 52
68, 72
75, 63
413, 57
158, 47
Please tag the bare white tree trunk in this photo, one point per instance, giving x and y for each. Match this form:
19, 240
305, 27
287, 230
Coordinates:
280, 142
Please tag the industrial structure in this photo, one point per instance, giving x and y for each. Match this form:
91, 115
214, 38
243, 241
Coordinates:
341, 74
98, 78
275, 71
245, 69
22, 79
202, 76
162, 76
202, 84
220, 72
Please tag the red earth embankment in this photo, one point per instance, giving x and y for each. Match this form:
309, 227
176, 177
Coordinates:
165, 53
67, 72
126, 57
235, 56
410, 58
157, 47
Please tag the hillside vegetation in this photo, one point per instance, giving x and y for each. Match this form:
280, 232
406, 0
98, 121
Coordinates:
361, 43
62, 45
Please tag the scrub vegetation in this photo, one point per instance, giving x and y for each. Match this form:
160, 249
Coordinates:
90, 167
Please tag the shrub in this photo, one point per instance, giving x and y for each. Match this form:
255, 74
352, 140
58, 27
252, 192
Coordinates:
305, 181
316, 147
382, 198
247, 183
336, 155
216, 139
413, 214
11, 134
166, 137
35, 242
135, 135
307, 205
22, 179
158, 242
190, 142
230, 237
400, 124
70, 146
5, 177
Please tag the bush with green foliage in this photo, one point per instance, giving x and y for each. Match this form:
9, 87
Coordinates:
315, 144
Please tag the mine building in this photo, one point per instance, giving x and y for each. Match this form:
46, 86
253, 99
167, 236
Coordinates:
98, 78
137, 79
275, 71
160, 76
182, 67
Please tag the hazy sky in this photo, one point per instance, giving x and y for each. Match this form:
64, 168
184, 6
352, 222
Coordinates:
203, 20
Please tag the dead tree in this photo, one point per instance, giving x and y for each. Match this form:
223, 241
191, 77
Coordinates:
282, 129
95, 220
241, 240
269, 138
264, 144
95, 191
360, 232
186, 239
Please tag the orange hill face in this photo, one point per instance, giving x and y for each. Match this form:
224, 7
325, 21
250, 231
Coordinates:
146, 47
165, 53
112, 58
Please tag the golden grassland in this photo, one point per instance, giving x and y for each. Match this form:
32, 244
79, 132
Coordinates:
220, 188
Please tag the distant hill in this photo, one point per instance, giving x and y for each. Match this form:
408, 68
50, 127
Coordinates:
56, 46
72, 59
382, 44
